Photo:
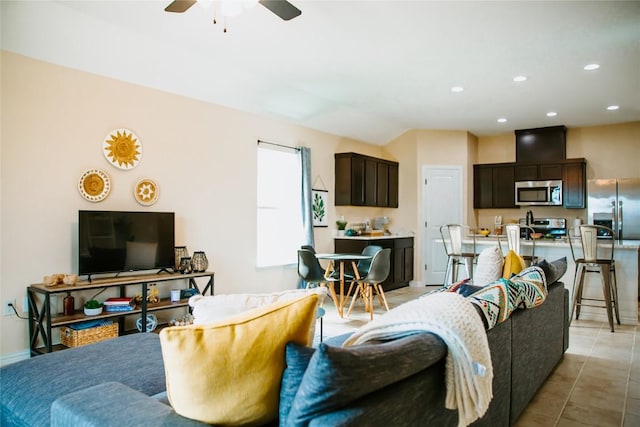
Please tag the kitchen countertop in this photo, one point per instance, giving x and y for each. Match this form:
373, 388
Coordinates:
620, 244
386, 236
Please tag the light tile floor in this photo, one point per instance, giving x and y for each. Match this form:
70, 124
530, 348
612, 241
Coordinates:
597, 382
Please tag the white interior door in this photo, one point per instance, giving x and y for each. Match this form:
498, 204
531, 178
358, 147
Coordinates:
442, 204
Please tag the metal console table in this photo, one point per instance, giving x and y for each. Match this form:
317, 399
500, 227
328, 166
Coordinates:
42, 320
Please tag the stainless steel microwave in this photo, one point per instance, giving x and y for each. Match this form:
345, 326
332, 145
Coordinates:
539, 193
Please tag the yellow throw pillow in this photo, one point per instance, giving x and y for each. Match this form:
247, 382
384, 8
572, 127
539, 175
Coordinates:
513, 264
229, 373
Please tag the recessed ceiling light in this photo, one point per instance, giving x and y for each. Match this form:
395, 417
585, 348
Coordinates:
502, 120
613, 107
552, 114
457, 89
520, 79
591, 67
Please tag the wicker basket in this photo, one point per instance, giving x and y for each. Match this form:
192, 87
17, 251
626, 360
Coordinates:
76, 338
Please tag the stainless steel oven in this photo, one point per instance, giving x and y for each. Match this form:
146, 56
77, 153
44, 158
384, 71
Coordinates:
555, 228
539, 193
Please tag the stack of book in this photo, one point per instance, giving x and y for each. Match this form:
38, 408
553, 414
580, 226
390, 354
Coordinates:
119, 304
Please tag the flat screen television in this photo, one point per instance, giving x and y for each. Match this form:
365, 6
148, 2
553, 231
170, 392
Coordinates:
116, 241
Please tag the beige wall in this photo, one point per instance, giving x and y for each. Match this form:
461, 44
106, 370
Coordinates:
203, 158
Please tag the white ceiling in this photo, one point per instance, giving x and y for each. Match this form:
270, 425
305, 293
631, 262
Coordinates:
368, 70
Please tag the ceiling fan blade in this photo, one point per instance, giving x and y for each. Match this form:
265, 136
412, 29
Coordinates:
179, 6
282, 8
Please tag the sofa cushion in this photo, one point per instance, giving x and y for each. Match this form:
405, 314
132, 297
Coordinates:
230, 372
297, 360
496, 302
513, 264
553, 270
531, 287
490, 266
337, 376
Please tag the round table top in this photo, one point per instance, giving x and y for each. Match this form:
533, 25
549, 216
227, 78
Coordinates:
343, 256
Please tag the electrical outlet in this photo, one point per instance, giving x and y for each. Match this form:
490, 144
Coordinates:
7, 310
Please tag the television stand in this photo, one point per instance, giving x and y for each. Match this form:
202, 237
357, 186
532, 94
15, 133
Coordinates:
42, 320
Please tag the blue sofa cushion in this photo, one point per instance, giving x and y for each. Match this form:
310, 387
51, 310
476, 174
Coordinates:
297, 359
337, 376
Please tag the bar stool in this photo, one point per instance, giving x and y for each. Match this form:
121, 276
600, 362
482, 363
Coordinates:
595, 260
452, 235
512, 231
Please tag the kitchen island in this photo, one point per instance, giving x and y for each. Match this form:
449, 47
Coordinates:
401, 246
626, 255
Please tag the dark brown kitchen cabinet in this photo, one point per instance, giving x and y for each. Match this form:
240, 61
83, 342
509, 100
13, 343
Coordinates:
494, 186
402, 261
538, 172
365, 181
401, 272
370, 182
393, 185
550, 171
504, 186
382, 184
574, 184
482, 186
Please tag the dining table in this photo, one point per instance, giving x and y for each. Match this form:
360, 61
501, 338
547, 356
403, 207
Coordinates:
342, 259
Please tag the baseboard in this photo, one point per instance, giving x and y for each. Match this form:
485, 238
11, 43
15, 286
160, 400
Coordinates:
416, 284
7, 359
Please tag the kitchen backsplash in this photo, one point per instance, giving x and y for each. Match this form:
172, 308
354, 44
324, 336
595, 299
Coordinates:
485, 217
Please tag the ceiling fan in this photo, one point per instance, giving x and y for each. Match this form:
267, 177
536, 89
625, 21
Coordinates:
282, 8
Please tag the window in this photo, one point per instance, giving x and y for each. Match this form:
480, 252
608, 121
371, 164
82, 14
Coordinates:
279, 213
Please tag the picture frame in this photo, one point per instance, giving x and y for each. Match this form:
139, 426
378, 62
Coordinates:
319, 207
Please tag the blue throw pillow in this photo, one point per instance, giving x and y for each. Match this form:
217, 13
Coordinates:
337, 376
297, 359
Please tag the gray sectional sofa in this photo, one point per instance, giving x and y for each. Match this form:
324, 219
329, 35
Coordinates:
122, 382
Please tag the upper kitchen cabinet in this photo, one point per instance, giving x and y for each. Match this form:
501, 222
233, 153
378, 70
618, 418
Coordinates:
365, 181
574, 184
541, 145
538, 172
494, 186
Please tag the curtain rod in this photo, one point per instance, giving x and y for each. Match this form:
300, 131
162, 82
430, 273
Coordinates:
278, 145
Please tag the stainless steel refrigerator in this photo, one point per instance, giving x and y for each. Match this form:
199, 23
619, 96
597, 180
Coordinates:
616, 204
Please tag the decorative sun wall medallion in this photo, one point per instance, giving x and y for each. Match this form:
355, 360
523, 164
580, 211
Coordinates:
146, 192
122, 148
94, 185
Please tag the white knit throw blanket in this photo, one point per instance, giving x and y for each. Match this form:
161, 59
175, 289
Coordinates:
469, 373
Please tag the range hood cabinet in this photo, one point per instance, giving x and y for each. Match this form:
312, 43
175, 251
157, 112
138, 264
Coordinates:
541, 145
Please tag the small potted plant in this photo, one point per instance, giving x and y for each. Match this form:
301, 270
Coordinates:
92, 307
341, 224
